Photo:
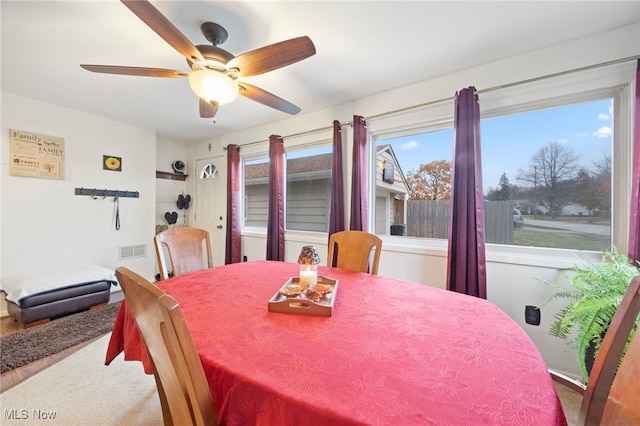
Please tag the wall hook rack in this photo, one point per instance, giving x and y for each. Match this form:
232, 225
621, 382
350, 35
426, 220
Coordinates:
95, 192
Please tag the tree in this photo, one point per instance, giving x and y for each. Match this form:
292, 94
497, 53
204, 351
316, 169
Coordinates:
432, 181
503, 192
550, 172
592, 188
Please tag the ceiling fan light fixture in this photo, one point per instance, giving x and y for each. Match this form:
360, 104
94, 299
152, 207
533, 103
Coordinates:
214, 86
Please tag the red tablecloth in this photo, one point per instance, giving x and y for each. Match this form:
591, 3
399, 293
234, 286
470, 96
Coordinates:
392, 353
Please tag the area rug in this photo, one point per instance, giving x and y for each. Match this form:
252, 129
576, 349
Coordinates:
32, 344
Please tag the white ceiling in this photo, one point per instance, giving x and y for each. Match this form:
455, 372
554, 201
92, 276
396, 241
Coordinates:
363, 47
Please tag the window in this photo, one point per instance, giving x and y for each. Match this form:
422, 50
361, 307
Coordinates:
308, 190
407, 202
546, 176
554, 166
256, 192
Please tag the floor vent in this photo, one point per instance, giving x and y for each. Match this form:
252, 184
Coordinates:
128, 252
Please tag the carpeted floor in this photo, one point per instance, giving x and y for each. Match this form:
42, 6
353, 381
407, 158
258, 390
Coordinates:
81, 390
30, 345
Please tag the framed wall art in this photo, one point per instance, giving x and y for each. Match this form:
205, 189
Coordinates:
110, 162
36, 155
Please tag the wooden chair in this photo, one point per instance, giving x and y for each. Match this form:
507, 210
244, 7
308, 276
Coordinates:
185, 247
354, 251
612, 393
182, 385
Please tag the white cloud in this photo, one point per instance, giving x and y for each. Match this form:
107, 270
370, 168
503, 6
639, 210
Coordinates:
603, 132
563, 141
582, 135
603, 116
409, 145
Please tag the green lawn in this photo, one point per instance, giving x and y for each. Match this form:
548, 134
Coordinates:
552, 237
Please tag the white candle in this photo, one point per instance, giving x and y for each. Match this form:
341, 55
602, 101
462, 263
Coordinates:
308, 275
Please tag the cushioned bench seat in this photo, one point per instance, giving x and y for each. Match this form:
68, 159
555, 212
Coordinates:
37, 298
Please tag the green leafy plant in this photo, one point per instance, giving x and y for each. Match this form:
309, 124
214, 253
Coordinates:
594, 295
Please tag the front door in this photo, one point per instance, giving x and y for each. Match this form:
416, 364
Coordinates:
210, 203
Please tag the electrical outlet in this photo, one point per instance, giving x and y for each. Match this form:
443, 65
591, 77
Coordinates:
532, 315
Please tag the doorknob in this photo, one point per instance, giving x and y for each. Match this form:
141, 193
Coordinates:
219, 226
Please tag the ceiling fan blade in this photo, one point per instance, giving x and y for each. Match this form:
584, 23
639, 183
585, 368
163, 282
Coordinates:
262, 96
273, 56
139, 71
164, 28
207, 109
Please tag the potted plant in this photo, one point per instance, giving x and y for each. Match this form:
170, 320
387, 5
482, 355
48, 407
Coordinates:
594, 295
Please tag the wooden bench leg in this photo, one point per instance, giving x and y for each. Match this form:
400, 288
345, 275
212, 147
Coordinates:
98, 305
34, 323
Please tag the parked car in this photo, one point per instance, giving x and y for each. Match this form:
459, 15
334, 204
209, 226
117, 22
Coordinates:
518, 220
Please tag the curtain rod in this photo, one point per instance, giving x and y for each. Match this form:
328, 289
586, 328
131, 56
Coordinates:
504, 86
450, 98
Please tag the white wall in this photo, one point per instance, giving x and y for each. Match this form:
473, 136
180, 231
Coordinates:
167, 190
44, 224
513, 273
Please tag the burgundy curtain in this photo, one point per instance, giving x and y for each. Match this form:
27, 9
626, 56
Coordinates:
359, 211
336, 212
466, 269
233, 251
634, 216
275, 220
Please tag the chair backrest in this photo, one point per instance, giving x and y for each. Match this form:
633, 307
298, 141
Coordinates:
186, 248
182, 385
612, 395
355, 250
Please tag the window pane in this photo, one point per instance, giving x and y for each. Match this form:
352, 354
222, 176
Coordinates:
308, 189
256, 192
412, 181
554, 167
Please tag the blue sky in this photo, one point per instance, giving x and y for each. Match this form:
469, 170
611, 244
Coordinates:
508, 143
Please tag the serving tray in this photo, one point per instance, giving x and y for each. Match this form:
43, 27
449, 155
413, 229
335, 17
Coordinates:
302, 305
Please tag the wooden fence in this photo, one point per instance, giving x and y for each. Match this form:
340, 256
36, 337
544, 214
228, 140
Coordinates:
430, 219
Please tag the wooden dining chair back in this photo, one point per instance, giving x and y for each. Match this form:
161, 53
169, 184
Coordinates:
355, 250
182, 250
182, 385
612, 393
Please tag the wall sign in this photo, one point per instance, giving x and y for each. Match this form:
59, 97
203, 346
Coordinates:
36, 155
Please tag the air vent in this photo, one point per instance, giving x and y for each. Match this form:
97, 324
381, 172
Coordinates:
128, 252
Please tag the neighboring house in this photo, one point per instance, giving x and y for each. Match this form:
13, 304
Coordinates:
576, 210
308, 193
392, 193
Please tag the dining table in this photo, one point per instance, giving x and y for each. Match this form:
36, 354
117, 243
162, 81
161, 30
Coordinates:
390, 352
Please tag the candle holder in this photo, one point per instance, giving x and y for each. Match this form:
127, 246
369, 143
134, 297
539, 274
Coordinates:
308, 260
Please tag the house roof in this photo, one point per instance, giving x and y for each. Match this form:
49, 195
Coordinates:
315, 163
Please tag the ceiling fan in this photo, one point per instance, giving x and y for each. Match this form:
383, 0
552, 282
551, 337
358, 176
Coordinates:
215, 73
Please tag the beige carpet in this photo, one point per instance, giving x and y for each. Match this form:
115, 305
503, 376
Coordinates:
118, 394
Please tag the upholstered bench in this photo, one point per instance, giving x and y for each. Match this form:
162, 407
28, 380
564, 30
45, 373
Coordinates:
34, 299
